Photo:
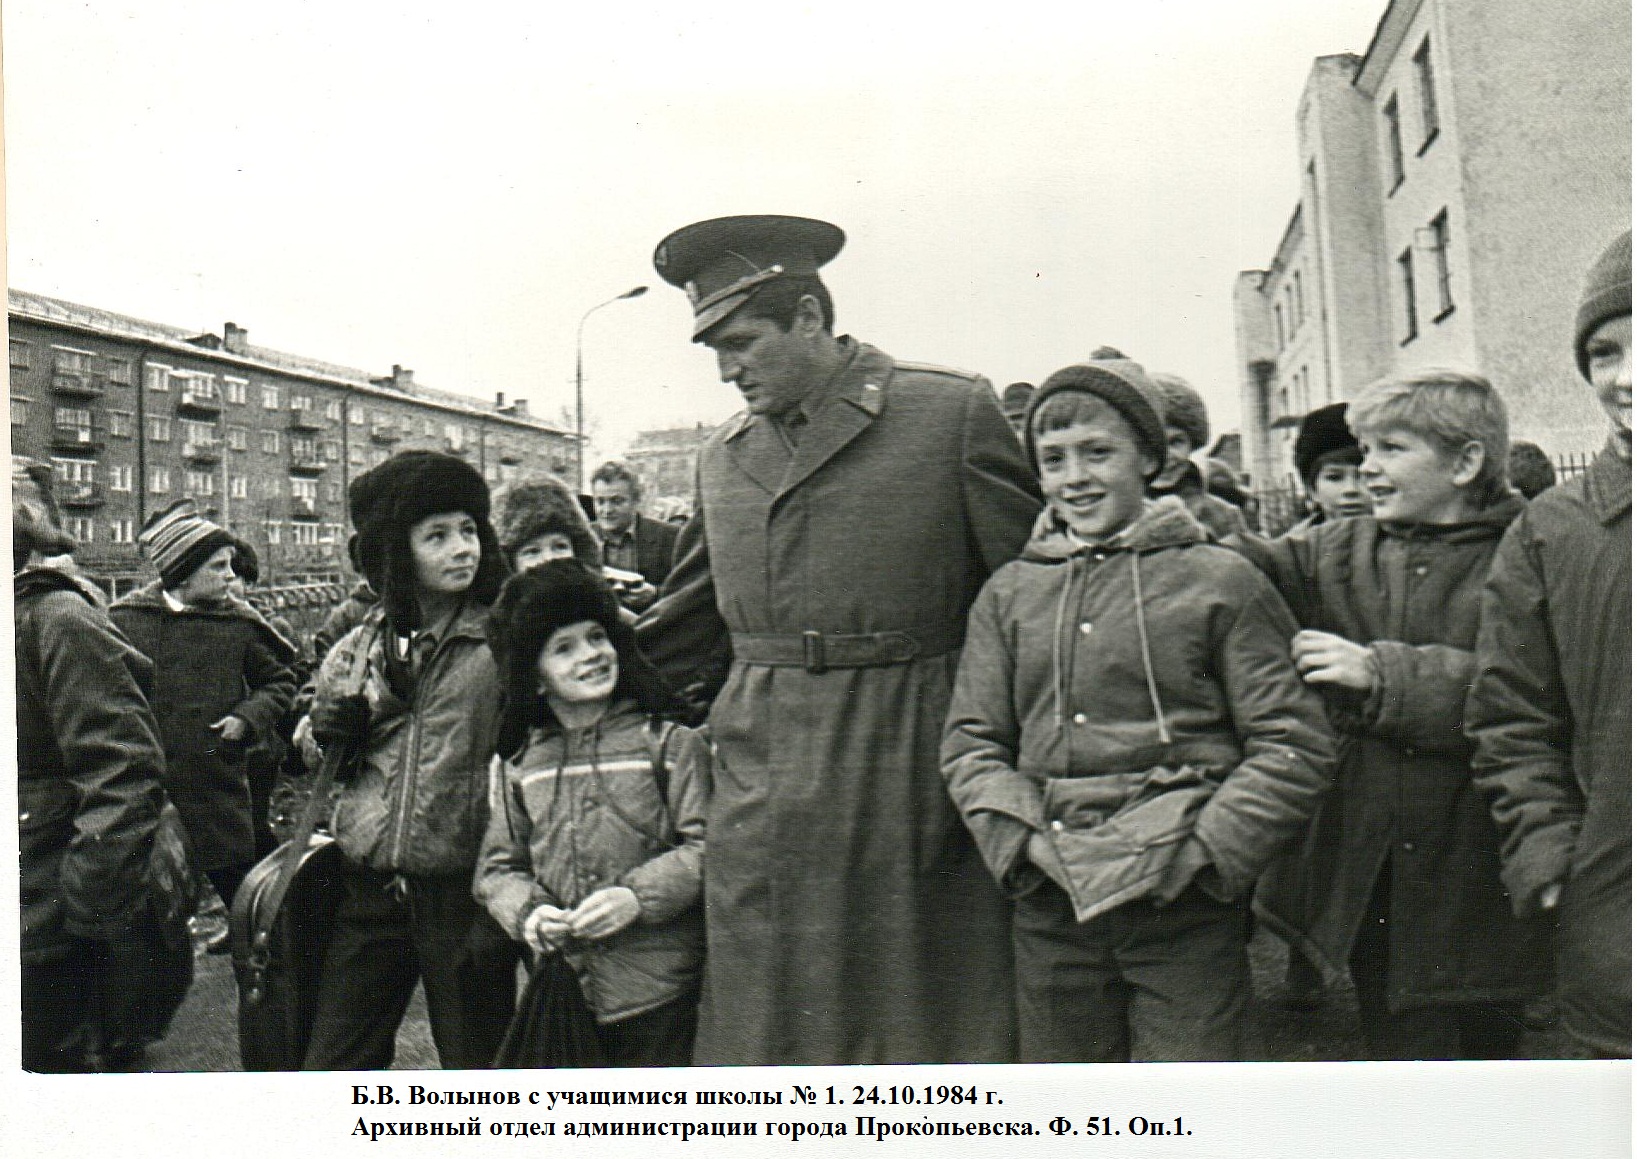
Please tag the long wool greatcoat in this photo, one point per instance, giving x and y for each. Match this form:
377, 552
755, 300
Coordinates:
849, 917
1405, 798
1551, 716
209, 663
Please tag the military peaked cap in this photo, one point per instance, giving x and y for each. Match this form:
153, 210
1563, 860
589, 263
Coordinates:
720, 261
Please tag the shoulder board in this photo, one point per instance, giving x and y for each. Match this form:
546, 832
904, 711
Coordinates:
930, 368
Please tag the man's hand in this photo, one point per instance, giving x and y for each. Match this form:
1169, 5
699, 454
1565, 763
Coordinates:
1323, 658
604, 914
546, 928
234, 729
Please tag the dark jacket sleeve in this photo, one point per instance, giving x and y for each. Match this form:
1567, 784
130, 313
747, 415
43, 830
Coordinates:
1518, 718
656, 549
1290, 564
111, 751
271, 681
1420, 696
1000, 805
683, 634
1001, 494
1289, 748
668, 884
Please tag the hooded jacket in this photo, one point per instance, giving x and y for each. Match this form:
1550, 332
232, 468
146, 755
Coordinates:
1405, 798
1123, 697
89, 764
579, 811
418, 803
210, 663
1550, 713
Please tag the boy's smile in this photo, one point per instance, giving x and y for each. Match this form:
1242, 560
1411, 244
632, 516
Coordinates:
1608, 364
1093, 473
578, 664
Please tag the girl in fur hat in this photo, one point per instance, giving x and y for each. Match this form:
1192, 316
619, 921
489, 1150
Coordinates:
413, 812
597, 816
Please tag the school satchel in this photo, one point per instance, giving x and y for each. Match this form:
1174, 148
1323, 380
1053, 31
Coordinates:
280, 928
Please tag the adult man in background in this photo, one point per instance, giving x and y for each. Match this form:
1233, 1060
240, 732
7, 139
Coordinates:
844, 522
630, 540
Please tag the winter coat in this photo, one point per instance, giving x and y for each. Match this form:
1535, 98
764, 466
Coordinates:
1216, 515
1405, 798
1550, 713
656, 548
580, 811
1121, 697
210, 663
343, 618
849, 916
418, 802
89, 765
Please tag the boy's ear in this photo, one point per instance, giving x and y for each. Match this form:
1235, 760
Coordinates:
1467, 463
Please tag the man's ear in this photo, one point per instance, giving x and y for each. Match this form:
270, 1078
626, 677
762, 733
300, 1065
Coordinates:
1467, 463
809, 319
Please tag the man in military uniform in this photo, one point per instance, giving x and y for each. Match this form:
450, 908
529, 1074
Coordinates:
843, 524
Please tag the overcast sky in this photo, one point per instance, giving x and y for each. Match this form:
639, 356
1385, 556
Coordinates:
452, 190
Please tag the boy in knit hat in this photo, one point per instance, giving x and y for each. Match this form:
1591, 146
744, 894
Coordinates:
1187, 429
222, 682
1550, 710
1128, 742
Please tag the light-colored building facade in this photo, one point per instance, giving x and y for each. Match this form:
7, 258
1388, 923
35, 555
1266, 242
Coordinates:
664, 460
1456, 181
134, 415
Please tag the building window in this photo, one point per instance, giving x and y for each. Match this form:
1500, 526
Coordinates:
270, 397
1279, 324
159, 429
270, 442
355, 455
82, 471
355, 414
332, 410
159, 481
1429, 95
238, 438
275, 532
198, 434
81, 528
236, 389
301, 402
119, 371
332, 492
121, 530
71, 362
19, 412
1440, 257
119, 478
201, 483
19, 354
429, 428
330, 451
1406, 294
303, 449
1296, 291
304, 489
1395, 143
121, 424
304, 534
158, 378
238, 487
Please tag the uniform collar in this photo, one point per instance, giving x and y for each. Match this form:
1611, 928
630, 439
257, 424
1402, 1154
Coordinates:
860, 380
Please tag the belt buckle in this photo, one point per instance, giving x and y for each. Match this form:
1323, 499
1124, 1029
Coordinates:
812, 652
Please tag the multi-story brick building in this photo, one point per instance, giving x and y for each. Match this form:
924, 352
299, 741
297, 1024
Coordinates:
1456, 180
664, 460
134, 415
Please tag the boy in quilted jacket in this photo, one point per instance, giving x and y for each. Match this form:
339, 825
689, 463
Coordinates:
597, 814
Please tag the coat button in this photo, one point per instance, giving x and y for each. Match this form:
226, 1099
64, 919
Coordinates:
1079, 718
1057, 826
1409, 847
1085, 628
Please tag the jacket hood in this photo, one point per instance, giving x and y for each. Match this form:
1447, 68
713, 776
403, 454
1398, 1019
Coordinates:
1163, 522
151, 598
1486, 524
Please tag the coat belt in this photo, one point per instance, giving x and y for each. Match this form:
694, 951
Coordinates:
821, 651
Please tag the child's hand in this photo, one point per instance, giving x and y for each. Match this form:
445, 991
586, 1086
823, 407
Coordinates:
1323, 658
1551, 895
604, 914
233, 728
546, 928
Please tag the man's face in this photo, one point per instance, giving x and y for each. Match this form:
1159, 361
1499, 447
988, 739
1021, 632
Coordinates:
1608, 364
769, 365
1093, 473
210, 583
616, 505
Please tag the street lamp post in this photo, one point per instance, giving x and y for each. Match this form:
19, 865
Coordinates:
579, 384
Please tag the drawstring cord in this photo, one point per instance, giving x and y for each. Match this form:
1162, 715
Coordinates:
1147, 656
1059, 677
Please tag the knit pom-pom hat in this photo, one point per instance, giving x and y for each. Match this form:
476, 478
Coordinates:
1118, 381
1181, 407
1607, 295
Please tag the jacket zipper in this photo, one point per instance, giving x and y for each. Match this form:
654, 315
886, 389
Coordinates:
411, 759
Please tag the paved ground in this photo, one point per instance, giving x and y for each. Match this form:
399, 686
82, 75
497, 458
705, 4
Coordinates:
204, 1036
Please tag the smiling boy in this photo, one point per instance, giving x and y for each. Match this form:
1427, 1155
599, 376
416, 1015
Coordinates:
1551, 709
1129, 743
1399, 880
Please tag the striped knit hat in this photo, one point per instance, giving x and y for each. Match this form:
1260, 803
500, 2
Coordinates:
178, 540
